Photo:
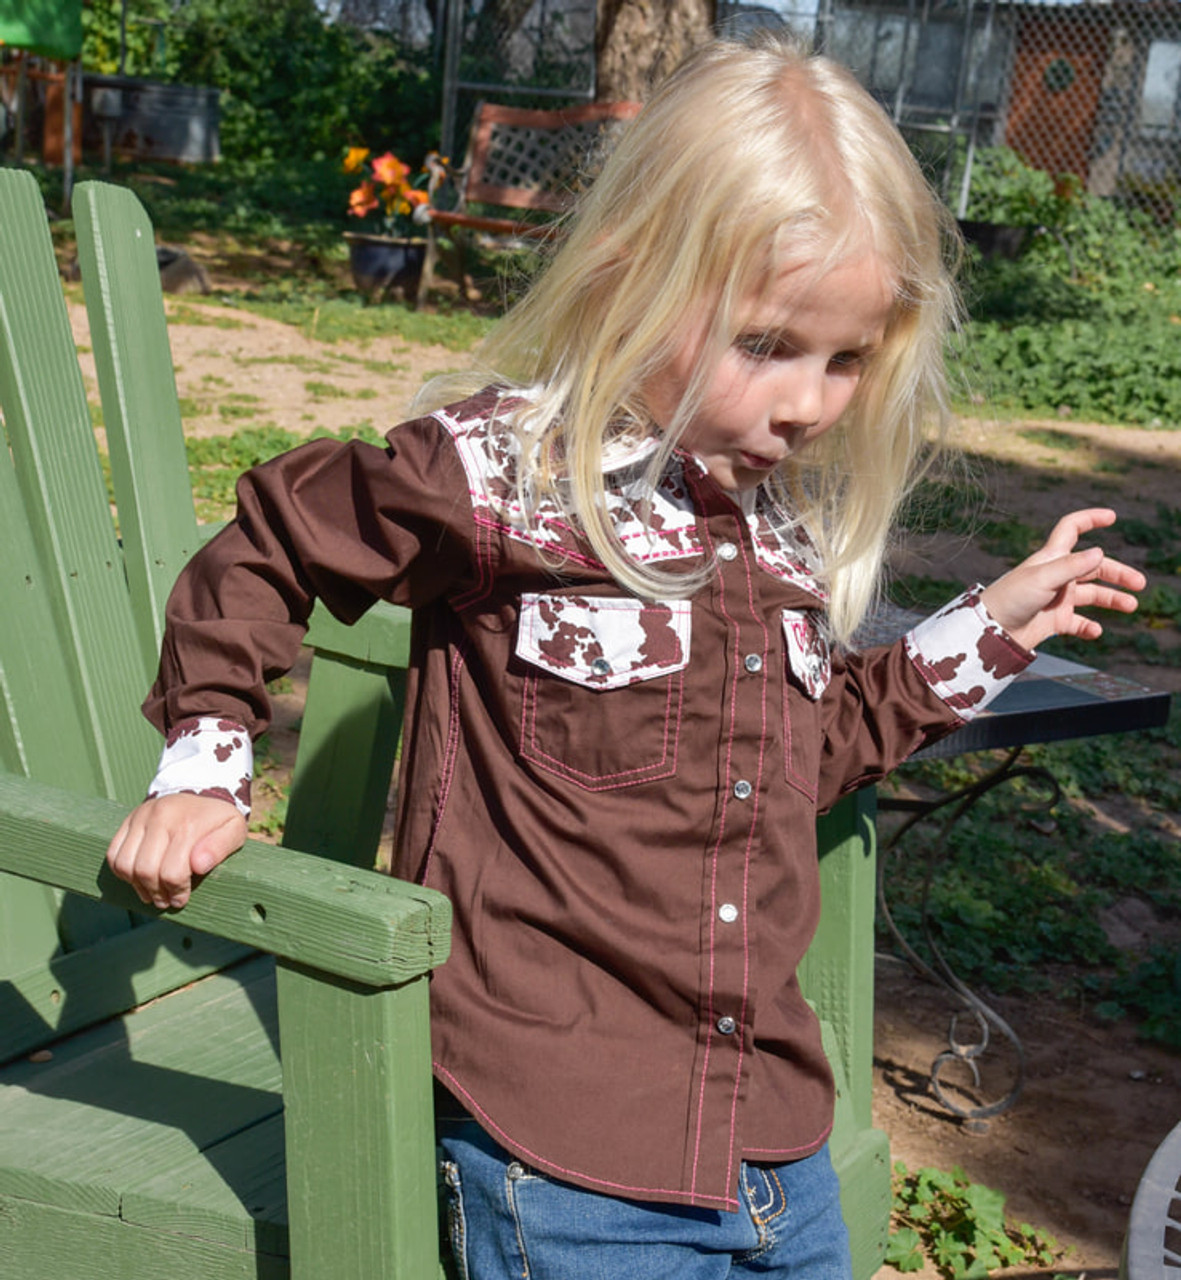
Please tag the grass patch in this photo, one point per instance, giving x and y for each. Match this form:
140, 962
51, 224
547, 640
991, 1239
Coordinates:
330, 391
305, 364
1011, 539
330, 318
216, 462
1051, 439
193, 316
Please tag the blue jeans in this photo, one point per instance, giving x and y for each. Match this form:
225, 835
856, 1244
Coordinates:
507, 1220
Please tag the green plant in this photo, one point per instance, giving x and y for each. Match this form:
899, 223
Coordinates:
1011, 539
1160, 606
1151, 991
105, 35
1014, 909
959, 1226
1161, 536
1004, 189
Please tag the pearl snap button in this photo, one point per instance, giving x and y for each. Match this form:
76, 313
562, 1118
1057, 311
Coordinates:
727, 1026
753, 663
742, 789
601, 667
727, 551
727, 913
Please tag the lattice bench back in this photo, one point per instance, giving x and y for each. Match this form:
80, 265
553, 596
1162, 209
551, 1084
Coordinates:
529, 159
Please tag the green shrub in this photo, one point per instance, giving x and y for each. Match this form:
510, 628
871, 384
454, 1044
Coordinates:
294, 86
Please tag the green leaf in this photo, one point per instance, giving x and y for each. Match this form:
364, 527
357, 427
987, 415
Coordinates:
904, 1250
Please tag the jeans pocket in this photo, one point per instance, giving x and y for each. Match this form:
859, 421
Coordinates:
456, 1221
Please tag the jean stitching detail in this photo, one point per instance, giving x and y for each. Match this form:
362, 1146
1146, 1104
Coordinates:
767, 1240
510, 1189
456, 1219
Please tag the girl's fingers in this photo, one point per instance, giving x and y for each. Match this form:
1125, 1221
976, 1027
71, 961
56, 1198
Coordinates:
1066, 533
138, 858
165, 842
218, 844
1119, 574
1098, 595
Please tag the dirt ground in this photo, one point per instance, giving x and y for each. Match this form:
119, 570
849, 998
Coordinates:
1096, 1101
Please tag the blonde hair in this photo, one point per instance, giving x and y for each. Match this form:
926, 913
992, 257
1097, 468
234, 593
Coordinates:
748, 157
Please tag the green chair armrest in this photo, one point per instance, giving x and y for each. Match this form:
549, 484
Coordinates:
355, 924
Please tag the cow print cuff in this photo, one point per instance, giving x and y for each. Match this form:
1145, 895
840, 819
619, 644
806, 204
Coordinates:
206, 756
965, 655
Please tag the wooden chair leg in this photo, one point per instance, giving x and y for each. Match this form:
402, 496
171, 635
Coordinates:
359, 1123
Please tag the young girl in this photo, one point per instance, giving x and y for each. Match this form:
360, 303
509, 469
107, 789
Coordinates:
636, 561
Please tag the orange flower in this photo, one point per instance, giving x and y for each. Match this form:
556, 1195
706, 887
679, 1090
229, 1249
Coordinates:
363, 200
354, 158
390, 171
414, 197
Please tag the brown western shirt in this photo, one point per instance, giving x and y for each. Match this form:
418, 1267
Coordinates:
619, 796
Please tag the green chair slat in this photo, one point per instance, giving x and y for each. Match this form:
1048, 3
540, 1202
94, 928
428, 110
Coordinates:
129, 335
77, 564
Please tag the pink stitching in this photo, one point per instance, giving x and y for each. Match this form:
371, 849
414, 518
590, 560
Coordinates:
533, 1158
794, 778
709, 1023
519, 536
679, 611
662, 768
750, 599
807, 1147
450, 755
571, 774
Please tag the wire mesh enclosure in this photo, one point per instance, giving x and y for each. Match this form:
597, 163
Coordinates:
526, 52
1089, 90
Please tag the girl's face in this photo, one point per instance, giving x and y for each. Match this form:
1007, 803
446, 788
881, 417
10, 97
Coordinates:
788, 375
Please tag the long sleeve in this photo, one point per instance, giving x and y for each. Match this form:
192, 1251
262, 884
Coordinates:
884, 704
346, 523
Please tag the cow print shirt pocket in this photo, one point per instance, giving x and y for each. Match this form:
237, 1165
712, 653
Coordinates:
603, 688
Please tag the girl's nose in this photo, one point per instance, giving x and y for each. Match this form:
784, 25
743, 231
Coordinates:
800, 398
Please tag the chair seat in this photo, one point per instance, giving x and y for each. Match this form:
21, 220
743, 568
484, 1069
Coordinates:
169, 1118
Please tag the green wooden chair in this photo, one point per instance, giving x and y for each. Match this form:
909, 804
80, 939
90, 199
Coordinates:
241, 1089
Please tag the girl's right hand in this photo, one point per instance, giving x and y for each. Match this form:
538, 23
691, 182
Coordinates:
163, 843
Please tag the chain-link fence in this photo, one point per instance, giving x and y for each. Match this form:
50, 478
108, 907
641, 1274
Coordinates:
1090, 90
520, 52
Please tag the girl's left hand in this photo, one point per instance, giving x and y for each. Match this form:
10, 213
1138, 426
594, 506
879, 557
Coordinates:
1042, 595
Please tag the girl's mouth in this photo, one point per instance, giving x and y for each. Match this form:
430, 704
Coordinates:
756, 462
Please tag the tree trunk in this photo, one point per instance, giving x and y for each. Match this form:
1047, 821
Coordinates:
640, 41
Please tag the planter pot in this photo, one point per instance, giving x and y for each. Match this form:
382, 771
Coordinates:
381, 265
995, 239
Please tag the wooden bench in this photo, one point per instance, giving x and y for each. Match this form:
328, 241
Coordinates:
530, 161
264, 1110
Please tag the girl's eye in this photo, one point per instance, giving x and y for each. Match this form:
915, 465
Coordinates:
848, 360
760, 346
